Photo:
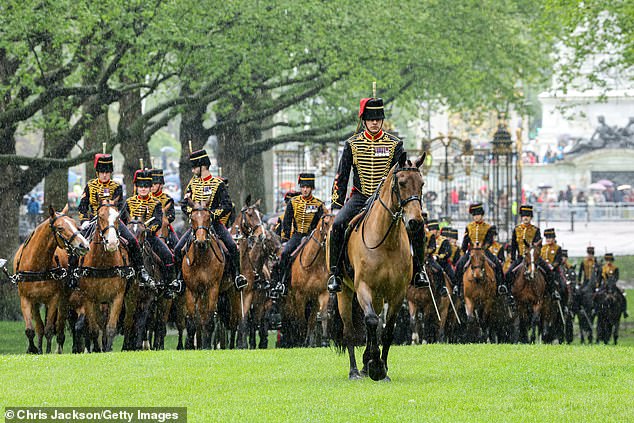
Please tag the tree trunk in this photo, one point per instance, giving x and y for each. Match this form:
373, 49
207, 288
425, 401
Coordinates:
134, 146
56, 182
191, 129
11, 197
98, 133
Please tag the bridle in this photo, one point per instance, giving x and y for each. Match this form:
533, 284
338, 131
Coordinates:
480, 267
398, 214
66, 244
249, 230
322, 235
113, 226
207, 229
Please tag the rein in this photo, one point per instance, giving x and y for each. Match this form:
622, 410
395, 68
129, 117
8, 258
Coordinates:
209, 233
321, 244
396, 216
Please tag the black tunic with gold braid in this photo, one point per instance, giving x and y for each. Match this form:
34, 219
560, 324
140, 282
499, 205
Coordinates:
93, 193
301, 216
213, 191
587, 269
528, 232
167, 203
370, 158
477, 233
143, 209
552, 254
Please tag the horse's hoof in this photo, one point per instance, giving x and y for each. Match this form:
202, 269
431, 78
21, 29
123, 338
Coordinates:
354, 375
364, 372
386, 379
377, 370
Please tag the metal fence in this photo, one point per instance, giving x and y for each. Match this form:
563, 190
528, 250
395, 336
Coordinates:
561, 212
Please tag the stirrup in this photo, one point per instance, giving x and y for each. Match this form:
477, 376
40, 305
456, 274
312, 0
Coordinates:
334, 284
503, 290
556, 295
240, 282
443, 291
421, 279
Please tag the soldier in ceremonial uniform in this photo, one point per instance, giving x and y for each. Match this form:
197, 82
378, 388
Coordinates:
167, 203
530, 233
227, 218
479, 232
443, 253
277, 228
300, 218
609, 277
456, 252
204, 187
147, 208
551, 253
588, 269
369, 154
496, 248
97, 189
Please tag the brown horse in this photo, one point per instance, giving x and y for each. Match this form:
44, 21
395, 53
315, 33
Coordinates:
380, 257
528, 289
308, 289
40, 277
435, 311
104, 273
479, 294
249, 230
203, 267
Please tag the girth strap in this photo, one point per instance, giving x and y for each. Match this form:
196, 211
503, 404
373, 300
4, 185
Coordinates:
125, 272
57, 274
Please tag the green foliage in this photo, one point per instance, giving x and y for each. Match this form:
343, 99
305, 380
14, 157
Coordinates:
480, 383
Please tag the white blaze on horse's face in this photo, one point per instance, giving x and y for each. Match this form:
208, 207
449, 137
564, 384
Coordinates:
532, 262
111, 239
80, 243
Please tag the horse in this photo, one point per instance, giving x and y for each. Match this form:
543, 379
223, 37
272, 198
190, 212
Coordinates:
40, 277
479, 294
609, 307
203, 267
583, 306
307, 300
249, 231
528, 289
104, 274
140, 299
381, 268
435, 310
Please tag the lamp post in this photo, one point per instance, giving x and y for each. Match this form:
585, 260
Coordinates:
502, 154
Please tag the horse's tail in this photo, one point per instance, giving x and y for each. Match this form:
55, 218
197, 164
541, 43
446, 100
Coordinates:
358, 327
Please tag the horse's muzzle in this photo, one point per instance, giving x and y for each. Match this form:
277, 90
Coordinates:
81, 250
414, 225
202, 245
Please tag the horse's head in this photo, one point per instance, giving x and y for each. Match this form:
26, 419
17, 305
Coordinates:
165, 224
530, 260
66, 233
326, 221
138, 229
407, 188
477, 262
251, 220
200, 219
108, 225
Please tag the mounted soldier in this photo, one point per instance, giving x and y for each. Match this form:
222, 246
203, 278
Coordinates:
523, 234
277, 228
103, 187
443, 253
205, 188
496, 248
609, 277
148, 209
456, 252
434, 242
227, 218
300, 218
551, 253
167, 204
588, 269
369, 154
478, 232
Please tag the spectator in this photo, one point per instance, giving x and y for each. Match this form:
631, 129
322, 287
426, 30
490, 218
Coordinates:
581, 197
33, 210
561, 197
455, 199
569, 194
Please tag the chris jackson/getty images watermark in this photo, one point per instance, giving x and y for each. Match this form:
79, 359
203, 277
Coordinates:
96, 414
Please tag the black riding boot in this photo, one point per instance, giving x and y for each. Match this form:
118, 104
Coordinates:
277, 289
139, 268
171, 285
238, 279
335, 280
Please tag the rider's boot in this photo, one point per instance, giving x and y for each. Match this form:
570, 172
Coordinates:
335, 280
139, 268
419, 280
238, 278
171, 284
276, 282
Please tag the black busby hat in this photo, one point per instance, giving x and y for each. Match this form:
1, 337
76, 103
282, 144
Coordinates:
371, 109
609, 256
432, 224
103, 163
549, 233
199, 158
526, 210
590, 249
476, 209
453, 233
157, 176
445, 231
306, 180
143, 178
289, 195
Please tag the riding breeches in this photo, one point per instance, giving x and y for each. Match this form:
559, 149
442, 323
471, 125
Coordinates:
337, 233
161, 250
289, 247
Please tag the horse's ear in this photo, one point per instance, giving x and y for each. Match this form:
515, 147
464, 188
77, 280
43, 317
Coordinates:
65, 209
402, 159
257, 203
421, 160
248, 200
51, 210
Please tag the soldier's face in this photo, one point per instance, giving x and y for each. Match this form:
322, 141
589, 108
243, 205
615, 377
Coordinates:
478, 218
197, 171
373, 126
143, 191
306, 191
104, 176
156, 187
526, 220
550, 240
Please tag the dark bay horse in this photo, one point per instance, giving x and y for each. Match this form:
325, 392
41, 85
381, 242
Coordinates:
609, 307
479, 295
435, 310
40, 277
528, 289
307, 300
203, 268
104, 273
380, 257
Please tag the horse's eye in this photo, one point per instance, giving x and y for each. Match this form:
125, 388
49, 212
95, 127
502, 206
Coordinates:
402, 184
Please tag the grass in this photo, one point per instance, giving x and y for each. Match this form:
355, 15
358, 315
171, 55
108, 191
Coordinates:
430, 383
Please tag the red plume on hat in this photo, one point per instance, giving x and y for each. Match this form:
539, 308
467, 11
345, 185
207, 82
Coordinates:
362, 104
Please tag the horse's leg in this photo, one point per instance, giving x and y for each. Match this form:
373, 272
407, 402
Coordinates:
388, 335
372, 354
206, 313
51, 319
344, 300
323, 317
128, 321
27, 313
60, 322
111, 326
39, 325
190, 319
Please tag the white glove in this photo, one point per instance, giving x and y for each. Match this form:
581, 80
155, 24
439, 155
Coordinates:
85, 224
